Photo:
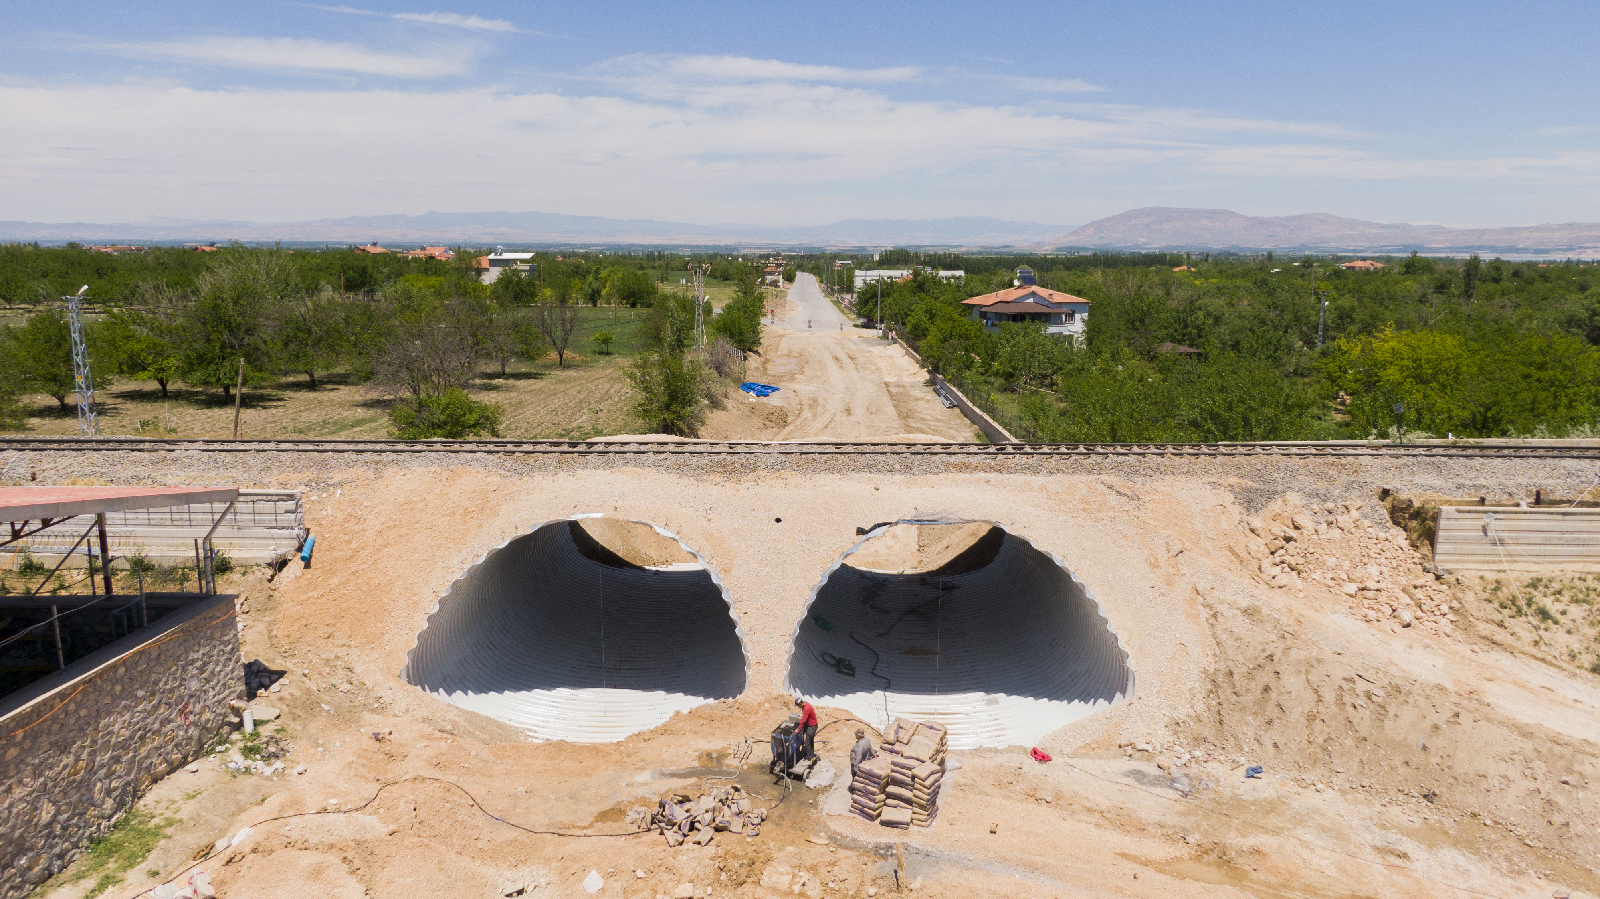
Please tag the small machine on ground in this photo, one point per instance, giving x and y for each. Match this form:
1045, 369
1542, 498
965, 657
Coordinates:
789, 750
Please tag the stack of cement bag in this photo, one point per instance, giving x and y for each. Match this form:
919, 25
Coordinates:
867, 789
685, 820
900, 786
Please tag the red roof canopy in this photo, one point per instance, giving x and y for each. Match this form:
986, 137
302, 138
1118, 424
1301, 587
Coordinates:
30, 503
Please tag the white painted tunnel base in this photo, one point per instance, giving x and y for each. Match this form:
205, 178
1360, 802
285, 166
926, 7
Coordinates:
566, 646
1001, 655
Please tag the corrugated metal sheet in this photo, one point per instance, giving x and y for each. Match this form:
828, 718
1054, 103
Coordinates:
1001, 656
567, 648
1484, 538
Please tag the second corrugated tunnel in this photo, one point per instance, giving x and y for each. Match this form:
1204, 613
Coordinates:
960, 623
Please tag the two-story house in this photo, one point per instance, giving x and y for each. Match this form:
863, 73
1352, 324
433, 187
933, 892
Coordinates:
1061, 313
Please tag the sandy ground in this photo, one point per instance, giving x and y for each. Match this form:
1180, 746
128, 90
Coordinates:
837, 382
1444, 758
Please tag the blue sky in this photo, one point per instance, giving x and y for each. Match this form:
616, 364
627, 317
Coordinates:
1464, 113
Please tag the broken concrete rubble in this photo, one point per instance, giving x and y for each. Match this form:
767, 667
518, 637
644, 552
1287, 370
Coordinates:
696, 820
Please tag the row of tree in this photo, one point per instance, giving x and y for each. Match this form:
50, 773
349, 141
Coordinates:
1287, 350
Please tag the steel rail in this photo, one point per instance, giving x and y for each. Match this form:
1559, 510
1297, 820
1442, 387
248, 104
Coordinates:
1345, 449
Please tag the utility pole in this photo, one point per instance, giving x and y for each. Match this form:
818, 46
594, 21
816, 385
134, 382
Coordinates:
238, 397
880, 307
82, 383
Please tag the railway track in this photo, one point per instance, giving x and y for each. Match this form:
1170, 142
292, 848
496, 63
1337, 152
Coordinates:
748, 448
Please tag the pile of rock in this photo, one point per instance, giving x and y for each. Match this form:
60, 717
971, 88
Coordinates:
682, 819
258, 678
899, 787
1372, 569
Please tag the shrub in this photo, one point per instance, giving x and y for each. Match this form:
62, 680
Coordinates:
671, 393
452, 415
28, 566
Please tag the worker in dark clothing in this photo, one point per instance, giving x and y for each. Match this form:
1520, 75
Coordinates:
808, 726
860, 752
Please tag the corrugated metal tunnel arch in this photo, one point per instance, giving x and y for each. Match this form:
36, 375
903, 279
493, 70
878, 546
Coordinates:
999, 641
559, 635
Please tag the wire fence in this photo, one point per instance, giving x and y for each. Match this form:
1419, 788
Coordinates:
980, 392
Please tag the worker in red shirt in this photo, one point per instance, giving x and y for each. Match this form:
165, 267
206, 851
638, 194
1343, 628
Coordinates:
808, 725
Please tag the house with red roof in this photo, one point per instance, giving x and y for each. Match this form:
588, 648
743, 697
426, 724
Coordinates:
1061, 313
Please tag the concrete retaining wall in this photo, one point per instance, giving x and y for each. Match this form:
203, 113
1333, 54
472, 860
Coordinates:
79, 748
990, 428
1487, 538
263, 526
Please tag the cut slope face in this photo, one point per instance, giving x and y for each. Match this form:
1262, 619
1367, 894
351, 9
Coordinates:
963, 624
585, 630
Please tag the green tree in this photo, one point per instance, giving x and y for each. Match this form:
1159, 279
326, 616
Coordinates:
740, 320
138, 343
515, 287
42, 354
671, 392
13, 414
310, 333
452, 415
602, 341
226, 319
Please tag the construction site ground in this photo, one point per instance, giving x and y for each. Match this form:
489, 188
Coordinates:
1419, 737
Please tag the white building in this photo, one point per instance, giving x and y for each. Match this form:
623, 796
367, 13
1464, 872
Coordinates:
498, 261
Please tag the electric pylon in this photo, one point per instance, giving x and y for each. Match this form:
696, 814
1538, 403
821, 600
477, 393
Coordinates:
83, 384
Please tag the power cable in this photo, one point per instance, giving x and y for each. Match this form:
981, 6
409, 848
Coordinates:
416, 777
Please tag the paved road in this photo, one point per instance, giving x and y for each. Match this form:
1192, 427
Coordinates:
808, 306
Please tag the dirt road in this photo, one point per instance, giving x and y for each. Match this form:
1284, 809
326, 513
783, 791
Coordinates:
837, 382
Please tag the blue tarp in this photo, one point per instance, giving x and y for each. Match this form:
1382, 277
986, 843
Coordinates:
755, 389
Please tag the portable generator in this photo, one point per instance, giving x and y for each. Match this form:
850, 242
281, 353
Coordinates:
789, 750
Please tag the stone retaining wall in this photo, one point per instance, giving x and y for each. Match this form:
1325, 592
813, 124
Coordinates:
79, 748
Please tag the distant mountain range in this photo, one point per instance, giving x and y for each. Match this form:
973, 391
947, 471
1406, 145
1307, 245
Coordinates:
543, 228
1152, 228
1162, 228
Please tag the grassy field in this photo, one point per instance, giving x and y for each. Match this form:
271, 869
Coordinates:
587, 397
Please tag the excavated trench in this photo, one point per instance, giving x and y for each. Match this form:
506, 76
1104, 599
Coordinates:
960, 623
585, 630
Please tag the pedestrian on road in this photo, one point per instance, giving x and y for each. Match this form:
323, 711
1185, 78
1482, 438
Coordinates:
808, 725
860, 752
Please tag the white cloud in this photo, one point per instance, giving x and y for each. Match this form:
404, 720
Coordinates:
729, 140
456, 20
1054, 85
743, 69
451, 19
293, 53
